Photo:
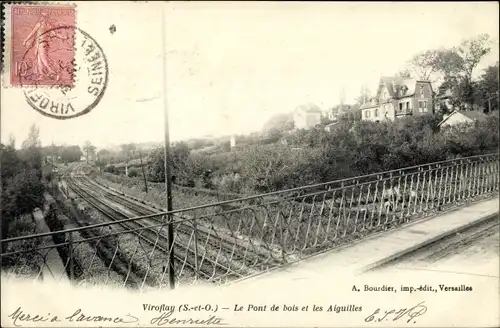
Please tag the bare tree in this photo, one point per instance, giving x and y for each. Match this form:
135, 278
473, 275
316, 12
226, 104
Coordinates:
12, 141
33, 139
453, 67
471, 52
364, 95
405, 73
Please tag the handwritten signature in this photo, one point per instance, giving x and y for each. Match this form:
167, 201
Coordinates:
165, 318
19, 316
410, 314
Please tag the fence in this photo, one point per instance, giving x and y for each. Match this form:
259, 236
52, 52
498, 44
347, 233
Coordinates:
127, 245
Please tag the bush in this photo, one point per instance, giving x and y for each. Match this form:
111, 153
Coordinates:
110, 169
132, 173
229, 183
314, 156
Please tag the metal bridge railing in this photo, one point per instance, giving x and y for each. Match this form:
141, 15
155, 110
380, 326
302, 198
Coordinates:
220, 242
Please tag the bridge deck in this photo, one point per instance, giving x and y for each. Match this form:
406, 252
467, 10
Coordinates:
52, 265
355, 258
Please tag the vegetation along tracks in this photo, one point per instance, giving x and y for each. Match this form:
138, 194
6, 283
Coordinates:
238, 255
206, 268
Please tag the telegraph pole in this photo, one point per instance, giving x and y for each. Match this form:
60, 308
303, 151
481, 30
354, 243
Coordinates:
168, 173
143, 173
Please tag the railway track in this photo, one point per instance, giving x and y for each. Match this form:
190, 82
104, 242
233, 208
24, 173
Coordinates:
206, 268
118, 262
238, 256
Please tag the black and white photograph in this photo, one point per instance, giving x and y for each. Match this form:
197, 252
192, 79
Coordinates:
249, 164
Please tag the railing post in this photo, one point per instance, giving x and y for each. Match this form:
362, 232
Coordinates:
196, 264
71, 259
282, 242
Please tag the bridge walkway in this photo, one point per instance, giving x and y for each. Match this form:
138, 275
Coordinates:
368, 253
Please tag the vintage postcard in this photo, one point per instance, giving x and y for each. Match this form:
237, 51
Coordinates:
249, 164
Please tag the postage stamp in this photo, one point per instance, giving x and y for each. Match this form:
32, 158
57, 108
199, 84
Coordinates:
60, 68
40, 51
91, 80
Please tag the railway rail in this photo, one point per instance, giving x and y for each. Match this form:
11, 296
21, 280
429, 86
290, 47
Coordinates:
242, 255
295, 223
207, 268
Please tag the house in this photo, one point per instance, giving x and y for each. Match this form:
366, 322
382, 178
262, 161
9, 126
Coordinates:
232, 142
337, 111
91, 158
306, 117
443, 101
399, 97
331, 127
460, 117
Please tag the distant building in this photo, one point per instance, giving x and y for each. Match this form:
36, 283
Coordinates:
332, 126
460, 117
306, 117
399, 97
337, 111
443, 101
232, 142
91, 159
48, 170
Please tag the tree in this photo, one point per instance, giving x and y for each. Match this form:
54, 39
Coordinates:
71, 154
281, 122
10, 162
405, 73
31, 149
103, 156
12, 141
364, 95
425, 64
128, 150
434, 65
33, 139
471, 52
454, 67
22, 189
274, 134
179, 156
487, 88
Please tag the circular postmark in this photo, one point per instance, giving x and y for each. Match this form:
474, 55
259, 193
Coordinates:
78, 74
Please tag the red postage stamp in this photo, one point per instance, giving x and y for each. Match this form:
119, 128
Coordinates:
41, 51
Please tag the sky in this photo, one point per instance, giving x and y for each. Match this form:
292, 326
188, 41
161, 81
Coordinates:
231, 66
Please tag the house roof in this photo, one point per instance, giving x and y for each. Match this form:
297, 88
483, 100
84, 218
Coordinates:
400, 86
444, 94
332, 124
473, 115
368, 105
309, 109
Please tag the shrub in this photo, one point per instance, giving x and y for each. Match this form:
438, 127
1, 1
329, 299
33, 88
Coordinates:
132, 173
315, 156
110, 169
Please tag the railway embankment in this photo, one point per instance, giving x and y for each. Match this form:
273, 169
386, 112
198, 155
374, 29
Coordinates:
53, 265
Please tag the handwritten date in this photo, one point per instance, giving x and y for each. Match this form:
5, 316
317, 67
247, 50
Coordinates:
409, 314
